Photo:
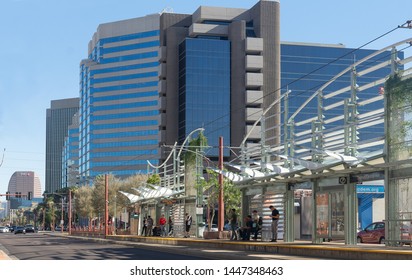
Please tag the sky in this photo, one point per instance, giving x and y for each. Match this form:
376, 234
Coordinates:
43, 42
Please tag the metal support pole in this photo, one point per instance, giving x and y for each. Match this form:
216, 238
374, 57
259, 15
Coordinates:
106, 206
350, 213
115, 214
221, 206
289, 235
62, 219
70, 212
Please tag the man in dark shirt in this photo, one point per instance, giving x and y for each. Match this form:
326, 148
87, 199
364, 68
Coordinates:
246, 230
275, 220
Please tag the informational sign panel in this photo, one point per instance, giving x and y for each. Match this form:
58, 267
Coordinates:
322, 214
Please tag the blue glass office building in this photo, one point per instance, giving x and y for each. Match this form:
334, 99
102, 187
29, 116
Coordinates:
306, 67
204, 89
118, 129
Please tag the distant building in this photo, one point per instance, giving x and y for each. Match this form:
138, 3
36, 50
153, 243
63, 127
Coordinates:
59, 117
70, 155
20, 184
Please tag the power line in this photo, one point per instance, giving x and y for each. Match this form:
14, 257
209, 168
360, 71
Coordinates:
303, 77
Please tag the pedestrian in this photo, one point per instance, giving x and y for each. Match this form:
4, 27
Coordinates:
188, 224
149, 226
247, 229
233, 224
170, 222
275, 219
257, 224
144, 228
162, 224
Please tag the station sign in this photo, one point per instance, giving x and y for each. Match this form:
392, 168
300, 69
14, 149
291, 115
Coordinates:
364, 177
370, 189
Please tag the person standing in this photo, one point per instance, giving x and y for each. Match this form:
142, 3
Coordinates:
149, 226
188, 224
170, 222
256, 226
233, 224
275, 220
162, 224
144, 228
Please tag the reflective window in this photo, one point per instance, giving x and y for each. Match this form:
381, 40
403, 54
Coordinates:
204, 90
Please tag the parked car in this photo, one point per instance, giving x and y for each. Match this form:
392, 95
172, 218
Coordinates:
12, 228
19, 229
4, 229
29, 228
373, 233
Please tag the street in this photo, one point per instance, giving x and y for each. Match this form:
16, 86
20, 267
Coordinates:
54, 246
39, 246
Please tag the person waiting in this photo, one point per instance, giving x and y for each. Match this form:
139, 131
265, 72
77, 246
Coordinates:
247, 229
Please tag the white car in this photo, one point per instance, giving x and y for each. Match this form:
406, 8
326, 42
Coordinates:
4, 229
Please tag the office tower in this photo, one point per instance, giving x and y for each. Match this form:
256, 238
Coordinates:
70, 155
118, 116
58, 117
150, 81
23, 182
220, 67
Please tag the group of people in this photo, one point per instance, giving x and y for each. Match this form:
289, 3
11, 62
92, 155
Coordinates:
252, 225
149, 229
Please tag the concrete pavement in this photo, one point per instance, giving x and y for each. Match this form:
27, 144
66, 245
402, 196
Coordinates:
227, 249
304, 249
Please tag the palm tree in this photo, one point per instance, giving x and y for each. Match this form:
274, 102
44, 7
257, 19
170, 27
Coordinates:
51, 211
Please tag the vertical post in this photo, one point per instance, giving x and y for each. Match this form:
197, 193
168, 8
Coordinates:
70, 212
62, 218
115, 214
221, 207
106, 206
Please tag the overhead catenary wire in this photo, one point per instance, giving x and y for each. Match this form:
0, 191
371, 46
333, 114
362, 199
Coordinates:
303, 77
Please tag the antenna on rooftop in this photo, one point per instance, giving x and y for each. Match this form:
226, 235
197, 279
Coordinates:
167, 10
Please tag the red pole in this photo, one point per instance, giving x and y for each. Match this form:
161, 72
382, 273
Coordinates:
62, 218
106, 212
221, 207
70, 212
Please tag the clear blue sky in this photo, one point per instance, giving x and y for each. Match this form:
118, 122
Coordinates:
43, 41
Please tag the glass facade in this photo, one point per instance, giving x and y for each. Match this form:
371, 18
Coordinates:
305, 68
204, 90
119, 105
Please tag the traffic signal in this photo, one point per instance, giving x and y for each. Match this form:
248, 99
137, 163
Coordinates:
16, 195
29, 195
7, 195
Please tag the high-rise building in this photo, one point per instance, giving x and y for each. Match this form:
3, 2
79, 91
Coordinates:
220, 67
119, 123
305, 67
58, 117
149, 81
70, 155
21, 184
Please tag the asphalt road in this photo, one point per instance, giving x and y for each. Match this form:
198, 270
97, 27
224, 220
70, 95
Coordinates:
54, 246
38, 246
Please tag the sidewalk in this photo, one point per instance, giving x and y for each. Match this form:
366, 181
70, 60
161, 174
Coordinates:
227, 249
332, 250
4, 256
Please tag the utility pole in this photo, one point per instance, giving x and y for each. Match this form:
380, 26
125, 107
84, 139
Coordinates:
70, 212
221, 207
106, 206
